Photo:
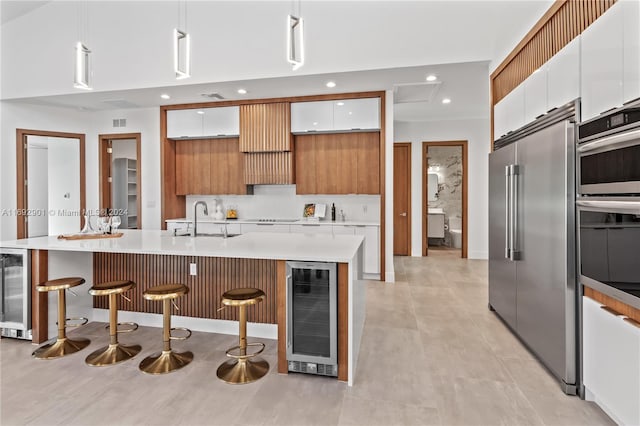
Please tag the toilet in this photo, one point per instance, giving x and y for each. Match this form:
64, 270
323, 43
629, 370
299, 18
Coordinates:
455, 229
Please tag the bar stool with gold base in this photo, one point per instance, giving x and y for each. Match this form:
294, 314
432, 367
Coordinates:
115, 352
243, 368
63, 345
167, 360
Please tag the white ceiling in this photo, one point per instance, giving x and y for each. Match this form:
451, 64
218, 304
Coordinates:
362, 45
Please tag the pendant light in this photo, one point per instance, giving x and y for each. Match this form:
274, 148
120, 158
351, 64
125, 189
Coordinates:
182, 45
83, 54
295, 39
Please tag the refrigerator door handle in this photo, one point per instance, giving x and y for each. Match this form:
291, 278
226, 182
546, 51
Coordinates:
513, 229
507, 210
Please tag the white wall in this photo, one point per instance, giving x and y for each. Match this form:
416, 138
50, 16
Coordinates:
38, 194
18, 115
476, 132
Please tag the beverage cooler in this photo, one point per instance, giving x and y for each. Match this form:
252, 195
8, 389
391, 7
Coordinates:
312, 318
15, 295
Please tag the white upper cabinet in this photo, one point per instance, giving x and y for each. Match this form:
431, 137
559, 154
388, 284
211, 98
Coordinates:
535, 94
221, 121
356, 114
509, 114
183, 123
203, 122
602, 59
499, 119
563, 75
335, 115
311, 116
631, 78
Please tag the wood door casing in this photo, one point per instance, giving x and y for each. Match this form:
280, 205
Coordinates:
402, 199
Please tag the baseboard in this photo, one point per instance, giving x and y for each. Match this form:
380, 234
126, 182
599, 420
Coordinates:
590, 396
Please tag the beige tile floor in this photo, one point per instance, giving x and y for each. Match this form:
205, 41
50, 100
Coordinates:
431, 354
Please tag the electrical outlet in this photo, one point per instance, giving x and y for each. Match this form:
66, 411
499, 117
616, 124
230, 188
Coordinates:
193, 269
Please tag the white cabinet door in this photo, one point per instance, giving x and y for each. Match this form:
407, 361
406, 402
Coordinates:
184, 123
182, 226
371, 248
221, 121
356, 114
611, 362
311, 116
218, 228
343, 230
563, 75
264, 227
499, 119
310, 228
535, 94
631, 78
602, 63
515, 108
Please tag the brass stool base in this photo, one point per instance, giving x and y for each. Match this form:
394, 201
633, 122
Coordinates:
165, 362
60, 348
112, 354
240, 371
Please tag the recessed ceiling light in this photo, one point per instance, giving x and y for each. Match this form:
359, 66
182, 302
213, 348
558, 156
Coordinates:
431, 77
165, 96
446, 101
242, 91
315, 123
200, 112
331, 84
339, 103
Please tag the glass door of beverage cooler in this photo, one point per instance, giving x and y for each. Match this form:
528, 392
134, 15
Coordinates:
312, 312
15, 313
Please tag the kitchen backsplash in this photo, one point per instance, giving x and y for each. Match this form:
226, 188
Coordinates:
282, 202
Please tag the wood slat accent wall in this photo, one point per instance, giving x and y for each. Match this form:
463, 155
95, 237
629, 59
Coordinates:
265, 127
616, 305
268, 168
215, 276
565, 20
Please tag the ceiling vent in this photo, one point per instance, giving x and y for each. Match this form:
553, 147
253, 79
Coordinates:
212, 96
120, 103
415, 92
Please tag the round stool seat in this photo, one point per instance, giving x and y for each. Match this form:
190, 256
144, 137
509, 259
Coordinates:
165, 291
60, 284
242, 297
111, 287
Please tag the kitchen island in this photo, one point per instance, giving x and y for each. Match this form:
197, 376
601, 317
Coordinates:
208, 266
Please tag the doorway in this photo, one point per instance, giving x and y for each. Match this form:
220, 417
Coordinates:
402, 199
120, 178
50, 176
444, 196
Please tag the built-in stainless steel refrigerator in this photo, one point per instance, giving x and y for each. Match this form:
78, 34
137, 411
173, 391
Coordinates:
532, 279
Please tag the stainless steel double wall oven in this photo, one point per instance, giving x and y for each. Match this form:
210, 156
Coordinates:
608, 203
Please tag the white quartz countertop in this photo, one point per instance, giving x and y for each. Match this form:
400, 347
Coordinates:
253, 245
279, 222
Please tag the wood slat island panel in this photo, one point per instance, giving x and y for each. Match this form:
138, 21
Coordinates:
214, 276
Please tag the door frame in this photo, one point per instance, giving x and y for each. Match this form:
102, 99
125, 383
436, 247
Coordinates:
425, 219
409, 229
105, 170
21, 173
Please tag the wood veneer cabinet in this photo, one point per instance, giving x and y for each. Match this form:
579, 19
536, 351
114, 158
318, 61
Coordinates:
265, 127
209, 166
338, 163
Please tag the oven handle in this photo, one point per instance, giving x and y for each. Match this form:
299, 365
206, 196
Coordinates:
632, 207
621, 140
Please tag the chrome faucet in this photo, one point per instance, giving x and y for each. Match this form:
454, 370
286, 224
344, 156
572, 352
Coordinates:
195, 215
223, 230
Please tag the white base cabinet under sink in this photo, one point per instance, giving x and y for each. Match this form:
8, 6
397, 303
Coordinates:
611, 362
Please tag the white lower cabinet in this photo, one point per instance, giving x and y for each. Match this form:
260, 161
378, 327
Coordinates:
264, 227
371, 253
611, 362
310, 228
218, 228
